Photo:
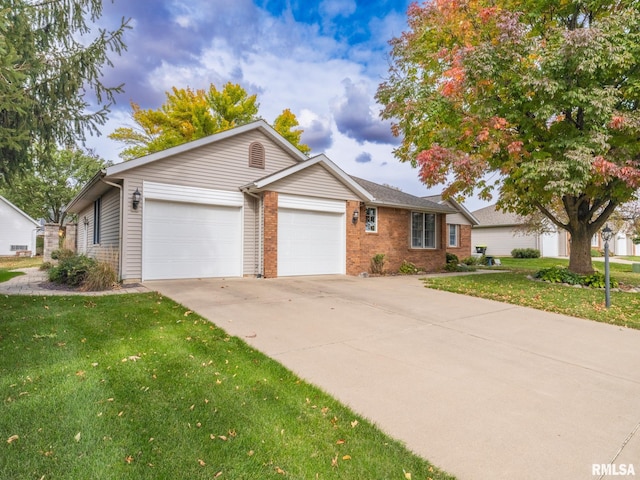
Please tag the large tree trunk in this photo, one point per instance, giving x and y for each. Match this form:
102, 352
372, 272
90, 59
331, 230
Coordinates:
580, 255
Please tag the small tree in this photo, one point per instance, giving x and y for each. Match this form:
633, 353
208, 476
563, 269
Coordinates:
45, 188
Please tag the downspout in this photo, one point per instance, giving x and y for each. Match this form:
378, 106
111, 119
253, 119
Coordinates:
120, 220
258, 244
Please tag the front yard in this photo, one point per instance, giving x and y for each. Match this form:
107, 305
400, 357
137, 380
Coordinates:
511, 285
136, 386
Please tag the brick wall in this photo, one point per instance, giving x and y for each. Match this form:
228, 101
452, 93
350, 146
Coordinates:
270, 206
463, 250
393, 240
354, 235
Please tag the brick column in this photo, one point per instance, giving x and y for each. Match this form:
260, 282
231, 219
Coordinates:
51, 240
70, 237
270, 254
354, 232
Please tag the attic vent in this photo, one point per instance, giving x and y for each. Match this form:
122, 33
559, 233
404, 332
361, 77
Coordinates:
256, 155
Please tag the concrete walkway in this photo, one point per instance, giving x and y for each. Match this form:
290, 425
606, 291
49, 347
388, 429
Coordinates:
484, 390
31, 283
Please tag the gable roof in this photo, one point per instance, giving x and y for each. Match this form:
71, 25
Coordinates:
458, 206
317, 160
390, 197
261, 125
20, 212
491, 217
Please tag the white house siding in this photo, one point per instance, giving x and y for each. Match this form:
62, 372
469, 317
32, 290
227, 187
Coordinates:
314, 181
223, 165
501, 240
16, 228
457, 218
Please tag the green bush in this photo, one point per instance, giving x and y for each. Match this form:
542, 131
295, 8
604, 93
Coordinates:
452, 258
377, 264
408, 268
454, 267
471, 260
72, 270
525, 253
595, 252
564, 275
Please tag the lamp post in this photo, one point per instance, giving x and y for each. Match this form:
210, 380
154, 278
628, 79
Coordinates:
607, 233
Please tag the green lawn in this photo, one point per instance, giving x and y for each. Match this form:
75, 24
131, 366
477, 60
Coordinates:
513, 286
10, 263
137, 387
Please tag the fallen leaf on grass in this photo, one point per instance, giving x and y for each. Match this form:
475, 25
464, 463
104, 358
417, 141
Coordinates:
340, 442
354, 424
77, 437
334, 461
128, 459
280, 471
187, 313
12, 438
407, 475
201, 462
346, 457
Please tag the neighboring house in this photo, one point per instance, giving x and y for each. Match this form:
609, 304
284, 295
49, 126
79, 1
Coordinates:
246, 202
17, 230
499, 232
459, 226
621, 244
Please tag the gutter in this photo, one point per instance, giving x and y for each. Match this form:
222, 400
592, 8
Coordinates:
120, 224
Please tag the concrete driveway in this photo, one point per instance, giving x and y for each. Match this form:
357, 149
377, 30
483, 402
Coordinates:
482, 389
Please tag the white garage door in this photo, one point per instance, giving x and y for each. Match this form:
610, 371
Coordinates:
311, 242
188, 240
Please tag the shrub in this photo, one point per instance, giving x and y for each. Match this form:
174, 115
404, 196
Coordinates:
454, 267
564, 275
452, 258
525, 253
46, 266
471, 260
595, 252
72, 270
377, 264
408, 268
100, 276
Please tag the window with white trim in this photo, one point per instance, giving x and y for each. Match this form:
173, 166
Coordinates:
97, 211
454, 235
423, 230
371, 219
595, 240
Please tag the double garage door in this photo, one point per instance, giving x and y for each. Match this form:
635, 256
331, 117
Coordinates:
198, 233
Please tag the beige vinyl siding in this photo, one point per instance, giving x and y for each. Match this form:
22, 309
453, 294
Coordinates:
223, 165
83, 233
501, 240
314, 181
457, 219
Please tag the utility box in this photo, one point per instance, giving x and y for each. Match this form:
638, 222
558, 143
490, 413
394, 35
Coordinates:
635, 267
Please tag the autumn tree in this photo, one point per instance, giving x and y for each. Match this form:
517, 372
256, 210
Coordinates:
535, 101
190, 114
45, 188
51, 65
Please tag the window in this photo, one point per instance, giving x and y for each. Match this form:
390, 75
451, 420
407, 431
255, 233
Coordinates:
17, 248
423, 230
454, 233
595, 241
97, 210
371, 219
256, 155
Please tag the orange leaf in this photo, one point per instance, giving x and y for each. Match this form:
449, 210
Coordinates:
12, 438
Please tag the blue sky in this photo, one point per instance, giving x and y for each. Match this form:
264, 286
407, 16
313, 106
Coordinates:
323, 60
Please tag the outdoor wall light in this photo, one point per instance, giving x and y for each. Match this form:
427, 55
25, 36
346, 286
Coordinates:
136, 199
355, 216
85, 220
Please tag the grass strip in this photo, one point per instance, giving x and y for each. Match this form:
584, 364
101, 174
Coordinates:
138, 387
515, 288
